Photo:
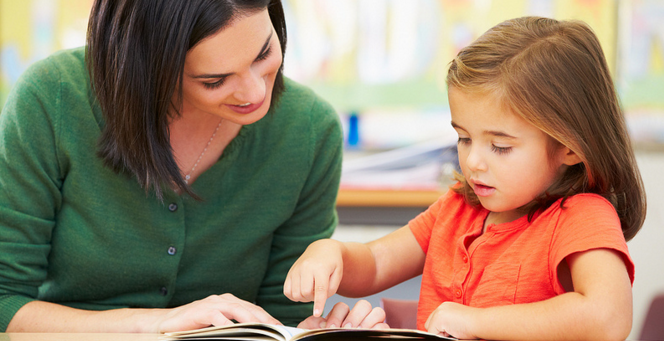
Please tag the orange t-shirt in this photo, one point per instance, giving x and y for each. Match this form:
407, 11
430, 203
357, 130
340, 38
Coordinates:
510, 263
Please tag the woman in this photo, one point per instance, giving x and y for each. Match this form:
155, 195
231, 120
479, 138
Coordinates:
166, 178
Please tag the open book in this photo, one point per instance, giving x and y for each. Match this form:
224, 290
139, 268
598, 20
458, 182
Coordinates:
269, 332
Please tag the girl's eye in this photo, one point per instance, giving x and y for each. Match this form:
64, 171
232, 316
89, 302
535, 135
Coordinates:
500, 150
215, 84
463, 140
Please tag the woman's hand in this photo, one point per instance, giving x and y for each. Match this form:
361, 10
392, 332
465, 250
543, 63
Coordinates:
316, 275
362, 316
451, 319
215, 310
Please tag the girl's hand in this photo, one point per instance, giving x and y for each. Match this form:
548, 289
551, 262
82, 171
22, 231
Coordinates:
452, 319
316, 275
215, 310
362, 316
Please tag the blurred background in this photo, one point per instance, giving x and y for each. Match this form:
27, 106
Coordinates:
382, 65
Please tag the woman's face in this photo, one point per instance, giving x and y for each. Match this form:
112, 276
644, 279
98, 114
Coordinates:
231, 73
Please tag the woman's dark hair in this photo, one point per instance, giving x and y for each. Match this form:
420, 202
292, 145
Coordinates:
135, 55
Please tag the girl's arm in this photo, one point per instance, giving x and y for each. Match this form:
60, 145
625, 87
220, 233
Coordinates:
599, 308
353, 269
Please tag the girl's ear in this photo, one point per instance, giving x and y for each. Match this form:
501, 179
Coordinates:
569, 157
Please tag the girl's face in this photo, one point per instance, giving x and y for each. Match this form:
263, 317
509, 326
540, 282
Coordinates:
504, 158
231, 73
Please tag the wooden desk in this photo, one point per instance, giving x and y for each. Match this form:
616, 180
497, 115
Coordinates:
387, 198
82, 337
383, 207
77, 337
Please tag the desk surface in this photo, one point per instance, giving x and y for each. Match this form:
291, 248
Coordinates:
77, 337
383, 207
387, 198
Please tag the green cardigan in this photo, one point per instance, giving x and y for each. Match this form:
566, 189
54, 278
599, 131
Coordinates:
75, 233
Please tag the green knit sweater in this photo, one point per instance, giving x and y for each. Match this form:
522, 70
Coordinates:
75, 233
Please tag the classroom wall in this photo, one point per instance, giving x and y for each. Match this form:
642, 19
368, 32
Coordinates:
385, 61
387, 58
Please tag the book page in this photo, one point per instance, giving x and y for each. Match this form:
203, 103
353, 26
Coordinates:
366, 334
238, 331
268, 332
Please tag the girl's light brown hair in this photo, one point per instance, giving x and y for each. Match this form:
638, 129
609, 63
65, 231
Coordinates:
554, 75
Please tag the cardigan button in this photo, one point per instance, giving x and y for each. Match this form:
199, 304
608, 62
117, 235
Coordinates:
465, 258
172, 250
173, 207
163, 291
457, 293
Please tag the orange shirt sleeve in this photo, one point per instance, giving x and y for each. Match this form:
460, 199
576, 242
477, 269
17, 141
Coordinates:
588, 222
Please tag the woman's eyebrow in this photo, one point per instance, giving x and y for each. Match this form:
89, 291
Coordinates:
224, 75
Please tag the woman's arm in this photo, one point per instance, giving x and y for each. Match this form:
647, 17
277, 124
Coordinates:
217, 310
599, 308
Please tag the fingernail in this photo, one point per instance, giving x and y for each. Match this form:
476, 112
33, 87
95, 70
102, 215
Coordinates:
316, 312
333, 325
322, 324
348, 326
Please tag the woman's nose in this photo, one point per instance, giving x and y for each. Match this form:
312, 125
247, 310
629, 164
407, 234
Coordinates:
251, 88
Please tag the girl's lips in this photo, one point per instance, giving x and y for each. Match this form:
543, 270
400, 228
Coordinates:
246, 110
483, 191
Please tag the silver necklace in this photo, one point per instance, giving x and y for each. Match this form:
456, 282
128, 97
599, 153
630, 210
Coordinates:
188, 176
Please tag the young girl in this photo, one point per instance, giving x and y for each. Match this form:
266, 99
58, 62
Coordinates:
530, 243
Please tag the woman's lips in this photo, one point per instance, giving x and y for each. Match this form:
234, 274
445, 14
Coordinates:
483, 191
246, 109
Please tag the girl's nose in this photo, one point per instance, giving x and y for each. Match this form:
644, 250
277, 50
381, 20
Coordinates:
475, 161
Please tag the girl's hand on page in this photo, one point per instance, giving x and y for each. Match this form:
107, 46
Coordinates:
452, 319
362, 316
215, 310
316, 275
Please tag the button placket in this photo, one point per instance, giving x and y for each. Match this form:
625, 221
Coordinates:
462, 263
173, 207
173, 221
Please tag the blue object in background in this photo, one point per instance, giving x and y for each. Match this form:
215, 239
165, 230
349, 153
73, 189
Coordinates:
353, 140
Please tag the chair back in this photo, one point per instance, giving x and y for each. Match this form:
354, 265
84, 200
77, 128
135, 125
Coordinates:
400, 314
653, 325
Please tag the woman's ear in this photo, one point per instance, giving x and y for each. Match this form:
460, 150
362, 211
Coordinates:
570, 158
